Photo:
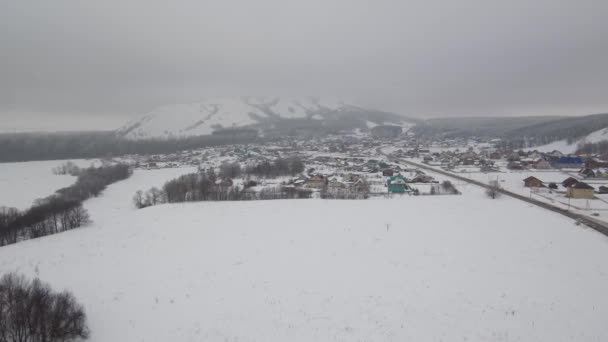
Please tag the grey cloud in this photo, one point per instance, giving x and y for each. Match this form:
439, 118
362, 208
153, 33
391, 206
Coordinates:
468, 57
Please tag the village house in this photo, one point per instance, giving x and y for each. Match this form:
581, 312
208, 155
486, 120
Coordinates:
489, 168
587, 172
513, 157
422, 178
580, 190
397, 184
533, 182
515, 165
568, 182
594, 163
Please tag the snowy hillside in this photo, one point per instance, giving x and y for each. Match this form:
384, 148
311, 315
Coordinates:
183, 120
419, 268
565, 147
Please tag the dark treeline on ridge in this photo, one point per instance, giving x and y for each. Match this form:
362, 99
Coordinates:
15, 147
520, 132
61, 211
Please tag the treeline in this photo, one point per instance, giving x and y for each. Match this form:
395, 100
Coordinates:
208, 186
16, 147
61, 211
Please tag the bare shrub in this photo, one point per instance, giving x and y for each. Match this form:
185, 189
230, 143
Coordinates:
493, 192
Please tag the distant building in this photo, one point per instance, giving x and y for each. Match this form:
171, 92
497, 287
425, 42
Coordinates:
569, 162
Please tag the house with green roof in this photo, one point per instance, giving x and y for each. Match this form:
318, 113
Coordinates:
397, 184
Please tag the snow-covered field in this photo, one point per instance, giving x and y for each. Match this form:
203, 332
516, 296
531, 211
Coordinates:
22, 183
428, 268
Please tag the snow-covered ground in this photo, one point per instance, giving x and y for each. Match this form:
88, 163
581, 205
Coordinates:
427, 268
22, 183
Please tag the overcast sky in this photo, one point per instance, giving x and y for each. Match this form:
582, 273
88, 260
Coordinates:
98, 63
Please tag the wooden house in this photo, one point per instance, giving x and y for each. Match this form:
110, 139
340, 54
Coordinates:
580, 190
387, 172
568, 182
533, 182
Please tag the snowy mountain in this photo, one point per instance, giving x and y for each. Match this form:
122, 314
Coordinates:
202, 118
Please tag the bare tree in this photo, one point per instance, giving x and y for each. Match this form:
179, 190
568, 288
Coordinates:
30, 312
493, 191
138, 199
154, 196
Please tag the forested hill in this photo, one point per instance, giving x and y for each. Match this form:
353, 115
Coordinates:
541, 128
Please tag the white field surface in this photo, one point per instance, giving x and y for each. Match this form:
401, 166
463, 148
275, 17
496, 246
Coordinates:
427, 268
22, 183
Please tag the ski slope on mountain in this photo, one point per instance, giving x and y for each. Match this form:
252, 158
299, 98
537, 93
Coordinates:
419, 268
183, 120
565, 147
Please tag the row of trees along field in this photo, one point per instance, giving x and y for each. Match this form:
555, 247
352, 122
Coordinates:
61, 211
209, 186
